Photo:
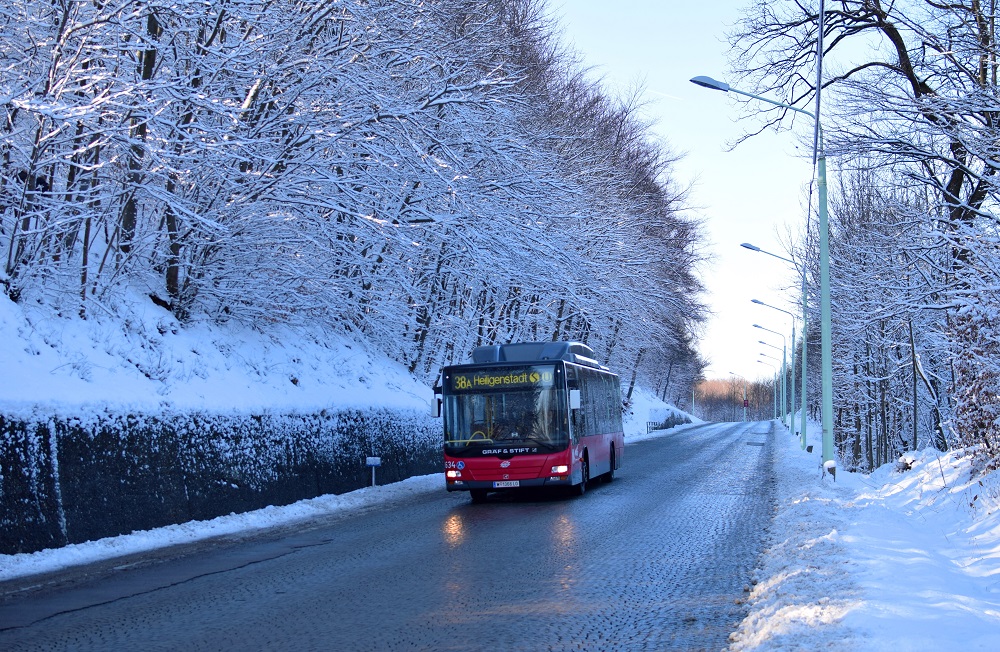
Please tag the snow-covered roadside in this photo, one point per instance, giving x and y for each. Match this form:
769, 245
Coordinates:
891, 561
44, 561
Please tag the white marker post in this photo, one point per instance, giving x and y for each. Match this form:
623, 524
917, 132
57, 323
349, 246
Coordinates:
373, 462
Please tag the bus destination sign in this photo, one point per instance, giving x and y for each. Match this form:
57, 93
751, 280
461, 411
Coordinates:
523, 378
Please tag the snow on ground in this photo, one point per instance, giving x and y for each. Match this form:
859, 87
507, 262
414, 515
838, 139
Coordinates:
45, 561
889, 561
148, 362
895, 560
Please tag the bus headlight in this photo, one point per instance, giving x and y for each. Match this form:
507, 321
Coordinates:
451, 474
562, 469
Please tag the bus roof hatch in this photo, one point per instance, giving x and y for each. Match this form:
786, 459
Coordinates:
535, 351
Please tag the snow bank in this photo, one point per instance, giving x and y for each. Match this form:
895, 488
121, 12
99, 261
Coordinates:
898, 560
147, 363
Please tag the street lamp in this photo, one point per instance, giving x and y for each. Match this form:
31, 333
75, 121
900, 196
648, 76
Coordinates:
784, 367
751, 247
805, 348
791, 393
780, 366
744, 394
774, 385
826, 347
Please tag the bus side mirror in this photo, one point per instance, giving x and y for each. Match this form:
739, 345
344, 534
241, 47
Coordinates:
574, 399
436, 403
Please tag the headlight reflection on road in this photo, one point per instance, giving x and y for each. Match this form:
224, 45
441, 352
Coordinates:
564, 542
564, 534
454, 531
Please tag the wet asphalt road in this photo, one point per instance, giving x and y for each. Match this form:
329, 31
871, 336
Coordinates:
656, 560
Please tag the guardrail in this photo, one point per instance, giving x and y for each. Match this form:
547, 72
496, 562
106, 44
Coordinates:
666, 424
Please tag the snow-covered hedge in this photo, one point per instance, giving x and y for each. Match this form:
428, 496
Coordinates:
69, 480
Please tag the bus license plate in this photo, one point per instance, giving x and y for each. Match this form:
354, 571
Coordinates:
506, 484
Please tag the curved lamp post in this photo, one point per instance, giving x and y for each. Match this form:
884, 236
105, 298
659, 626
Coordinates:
784, 366
774, 384
805, 368
826, 348
751, 247
782, 369
791, 387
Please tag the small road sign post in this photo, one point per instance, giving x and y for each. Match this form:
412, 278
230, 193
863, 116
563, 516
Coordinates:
373, 462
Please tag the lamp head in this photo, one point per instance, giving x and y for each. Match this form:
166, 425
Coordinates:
757, 301
747, 245
708, 82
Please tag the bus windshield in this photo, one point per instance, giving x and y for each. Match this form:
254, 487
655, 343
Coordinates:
518, 409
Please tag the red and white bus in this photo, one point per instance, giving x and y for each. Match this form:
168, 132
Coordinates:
531, 414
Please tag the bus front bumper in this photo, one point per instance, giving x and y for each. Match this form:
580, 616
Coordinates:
500, 485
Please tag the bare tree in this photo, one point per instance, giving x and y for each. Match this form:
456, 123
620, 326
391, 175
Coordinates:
917, 102
428, 176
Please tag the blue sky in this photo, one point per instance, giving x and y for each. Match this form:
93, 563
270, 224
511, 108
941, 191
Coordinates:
755, 193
